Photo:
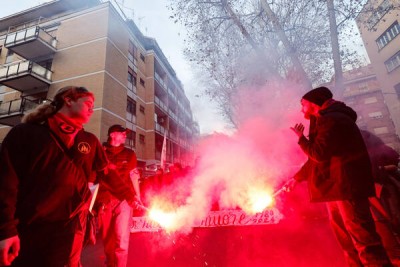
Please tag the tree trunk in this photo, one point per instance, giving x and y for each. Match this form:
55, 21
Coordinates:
303, 77
337, 62
248, 37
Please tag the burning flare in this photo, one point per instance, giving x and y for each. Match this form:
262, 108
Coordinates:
164, 219
260, 201
257, 200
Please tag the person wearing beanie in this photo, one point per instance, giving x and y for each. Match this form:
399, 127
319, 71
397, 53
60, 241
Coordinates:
46, 164
318, 95
338, 172
114, 212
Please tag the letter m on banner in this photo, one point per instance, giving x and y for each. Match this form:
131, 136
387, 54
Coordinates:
164, 152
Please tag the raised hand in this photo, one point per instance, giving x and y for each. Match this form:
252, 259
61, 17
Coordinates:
298, 129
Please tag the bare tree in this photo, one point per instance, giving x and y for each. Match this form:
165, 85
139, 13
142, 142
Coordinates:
290, 49
252, 41
337, 62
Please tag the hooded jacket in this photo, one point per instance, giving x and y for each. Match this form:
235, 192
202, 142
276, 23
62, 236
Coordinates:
39, 182
118, 184
338, 165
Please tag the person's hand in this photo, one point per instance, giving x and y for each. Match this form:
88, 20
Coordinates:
9, 249
290, 185
138, 203
134, 174
298, 129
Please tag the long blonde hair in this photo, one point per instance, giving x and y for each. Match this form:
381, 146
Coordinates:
46, 110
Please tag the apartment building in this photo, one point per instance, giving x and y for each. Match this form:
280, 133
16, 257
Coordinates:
91, 43
364, 94
379, 26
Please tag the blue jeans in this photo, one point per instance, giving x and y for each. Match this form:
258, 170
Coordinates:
115, 221
354, 228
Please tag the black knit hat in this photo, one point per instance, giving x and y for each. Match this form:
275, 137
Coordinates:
116, 128
318, 95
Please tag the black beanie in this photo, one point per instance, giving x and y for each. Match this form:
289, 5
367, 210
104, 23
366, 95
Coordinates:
318, 95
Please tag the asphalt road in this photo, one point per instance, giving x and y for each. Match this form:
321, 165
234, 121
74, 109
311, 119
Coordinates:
293, 242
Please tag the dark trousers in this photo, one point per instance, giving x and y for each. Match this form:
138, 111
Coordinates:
52, 244
354, 228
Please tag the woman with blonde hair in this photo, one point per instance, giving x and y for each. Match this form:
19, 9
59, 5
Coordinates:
45, 166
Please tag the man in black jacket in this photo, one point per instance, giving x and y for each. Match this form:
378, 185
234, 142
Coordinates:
338, 172
115, 212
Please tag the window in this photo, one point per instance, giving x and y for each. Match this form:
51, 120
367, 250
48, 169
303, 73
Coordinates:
142, 57
10, 56
397, 89
370, 100
393, 62
381, 130
132, 49
141, 108
46, 64
161, 120
131, 139
132, 76
131, 106
375, 115
388, 35
142, 82
141, 138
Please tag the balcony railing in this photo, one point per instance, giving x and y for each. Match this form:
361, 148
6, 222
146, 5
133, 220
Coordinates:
159, 128
160, 81
12, 111
160, 103
25, 75
31, 42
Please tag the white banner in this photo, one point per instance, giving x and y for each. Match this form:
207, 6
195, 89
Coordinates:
219, 218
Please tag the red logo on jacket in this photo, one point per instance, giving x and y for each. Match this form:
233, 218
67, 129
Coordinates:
84, 148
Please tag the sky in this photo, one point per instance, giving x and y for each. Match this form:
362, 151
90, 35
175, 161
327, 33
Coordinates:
152, 18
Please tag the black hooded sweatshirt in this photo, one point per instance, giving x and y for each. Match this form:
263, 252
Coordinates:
338, 165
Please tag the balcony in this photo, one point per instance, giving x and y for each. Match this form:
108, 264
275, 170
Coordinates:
159, 128
11, 112
160, 104
31, 43
24, 76
160, 81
